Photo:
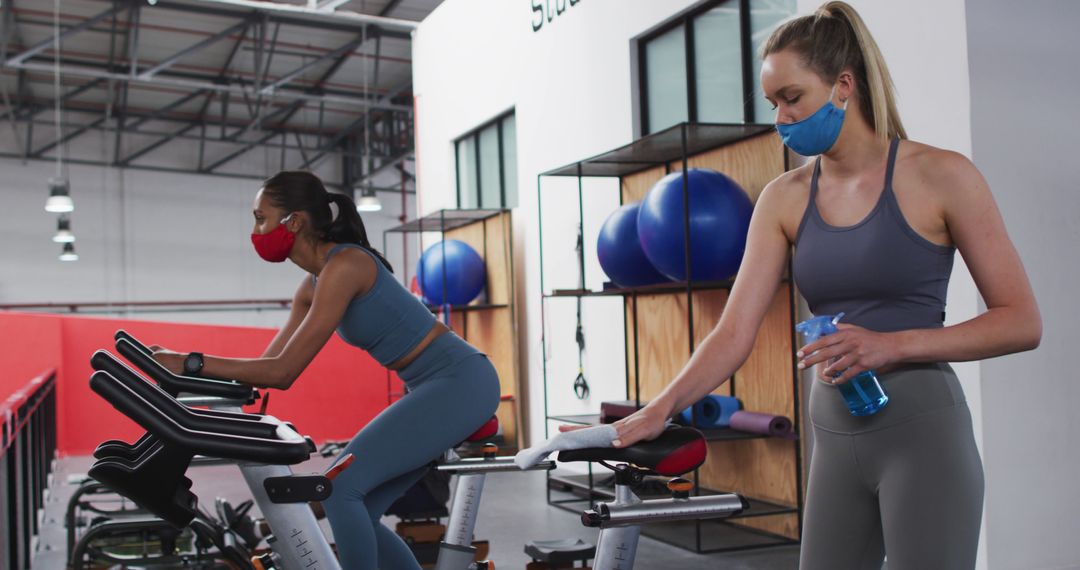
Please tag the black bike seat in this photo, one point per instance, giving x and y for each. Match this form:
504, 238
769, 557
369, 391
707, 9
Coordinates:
676, 451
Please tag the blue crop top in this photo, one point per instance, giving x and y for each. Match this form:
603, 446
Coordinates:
386, 321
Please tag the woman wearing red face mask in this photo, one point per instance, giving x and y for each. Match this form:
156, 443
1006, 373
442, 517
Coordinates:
453, 388
875, 222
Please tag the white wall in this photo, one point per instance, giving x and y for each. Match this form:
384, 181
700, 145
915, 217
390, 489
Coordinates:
1027, 153
146, 236
570, 84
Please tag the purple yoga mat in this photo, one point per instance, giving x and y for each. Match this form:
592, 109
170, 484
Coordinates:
765, 424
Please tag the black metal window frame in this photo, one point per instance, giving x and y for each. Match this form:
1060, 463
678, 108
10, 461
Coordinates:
685, 20
475, 136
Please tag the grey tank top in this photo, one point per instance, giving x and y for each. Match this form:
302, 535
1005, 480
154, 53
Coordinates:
881, 273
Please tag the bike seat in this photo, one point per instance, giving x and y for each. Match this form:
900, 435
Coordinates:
676, 451
489, 429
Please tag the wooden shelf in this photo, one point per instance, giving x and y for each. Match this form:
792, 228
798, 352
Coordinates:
610, 290
716, 535
602, 488
464, 308
673, 287
445, 220
661, 148
664, 323
718, 434
490, 325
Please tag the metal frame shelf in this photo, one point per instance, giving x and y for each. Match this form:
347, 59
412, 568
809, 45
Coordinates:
441, 221
664, 148
494, 311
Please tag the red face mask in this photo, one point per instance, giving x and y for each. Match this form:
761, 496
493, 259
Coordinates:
274, 246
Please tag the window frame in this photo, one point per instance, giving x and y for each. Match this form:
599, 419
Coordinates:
474, 134
686, 20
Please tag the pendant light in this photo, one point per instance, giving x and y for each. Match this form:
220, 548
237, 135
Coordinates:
68, 253
59, 200
368, 201
63, 230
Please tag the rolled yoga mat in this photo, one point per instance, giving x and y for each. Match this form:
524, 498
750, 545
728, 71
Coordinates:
712, 411
765, 424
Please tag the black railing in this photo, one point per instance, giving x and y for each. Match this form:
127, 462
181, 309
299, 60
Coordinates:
27, 450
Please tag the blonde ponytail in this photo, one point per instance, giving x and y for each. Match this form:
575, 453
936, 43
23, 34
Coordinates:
835, 38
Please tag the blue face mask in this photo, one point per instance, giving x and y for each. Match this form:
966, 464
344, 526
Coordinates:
818, 132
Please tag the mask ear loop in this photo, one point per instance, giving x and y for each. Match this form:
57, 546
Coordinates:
842, 101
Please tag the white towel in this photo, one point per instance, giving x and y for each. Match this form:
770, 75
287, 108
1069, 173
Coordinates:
596, 436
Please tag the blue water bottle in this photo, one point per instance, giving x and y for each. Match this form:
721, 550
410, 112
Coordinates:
863, 393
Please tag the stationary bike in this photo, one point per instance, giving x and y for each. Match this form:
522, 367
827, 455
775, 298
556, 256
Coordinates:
455, 548
151, 471
678, 450
104, 527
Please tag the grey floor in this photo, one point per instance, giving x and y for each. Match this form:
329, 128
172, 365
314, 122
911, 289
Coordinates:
514, 510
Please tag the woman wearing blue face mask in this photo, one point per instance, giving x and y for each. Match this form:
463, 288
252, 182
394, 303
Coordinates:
875, 221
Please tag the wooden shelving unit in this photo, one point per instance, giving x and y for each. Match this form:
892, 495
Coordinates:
490, 322
663, 325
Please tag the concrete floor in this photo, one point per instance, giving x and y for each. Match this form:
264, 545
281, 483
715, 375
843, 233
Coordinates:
513, 511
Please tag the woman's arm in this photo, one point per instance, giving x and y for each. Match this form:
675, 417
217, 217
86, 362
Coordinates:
300, 305
730, 342
1011, 322
340, 281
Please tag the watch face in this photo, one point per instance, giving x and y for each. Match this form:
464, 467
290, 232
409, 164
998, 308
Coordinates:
192, 363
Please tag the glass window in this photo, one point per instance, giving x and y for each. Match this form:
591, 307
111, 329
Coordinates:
509, 145
468, 193
718, 65
765, 16
490, 177
715, 91
665, 80
487, 165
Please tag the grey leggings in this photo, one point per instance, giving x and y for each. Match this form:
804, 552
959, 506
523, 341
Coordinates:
906, 482
453, 390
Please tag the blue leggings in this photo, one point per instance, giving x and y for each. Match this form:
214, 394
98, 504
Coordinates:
453, 390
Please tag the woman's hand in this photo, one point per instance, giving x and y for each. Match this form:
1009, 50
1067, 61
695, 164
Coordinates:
848, 352
643, 425
174, 361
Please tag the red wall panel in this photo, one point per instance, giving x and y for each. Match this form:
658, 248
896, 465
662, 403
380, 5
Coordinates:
29, 345
339, 392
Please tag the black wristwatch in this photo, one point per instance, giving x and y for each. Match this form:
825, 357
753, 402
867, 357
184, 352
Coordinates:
193, 364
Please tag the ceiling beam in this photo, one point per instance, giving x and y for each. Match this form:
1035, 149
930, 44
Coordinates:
151, 168
303, 10
165, 63
162, 79
344, 50
65, 138
41, 46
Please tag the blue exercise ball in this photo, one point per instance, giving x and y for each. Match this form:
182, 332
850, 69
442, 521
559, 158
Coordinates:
620, 253
719, 219
464, 273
